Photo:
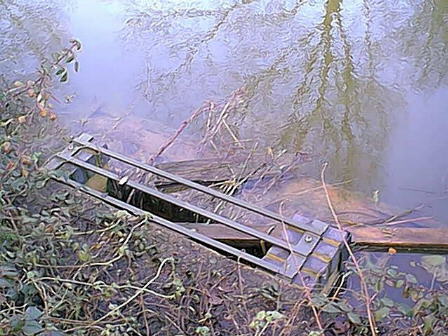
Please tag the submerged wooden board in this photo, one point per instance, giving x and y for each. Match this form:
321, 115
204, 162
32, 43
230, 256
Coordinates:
225, 233
352, 208
400, 237
373, 225
210, 171
366, 236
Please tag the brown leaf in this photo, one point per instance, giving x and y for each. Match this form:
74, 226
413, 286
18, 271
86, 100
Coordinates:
6, 147
43, 113
391, 251
10, 165
26, 160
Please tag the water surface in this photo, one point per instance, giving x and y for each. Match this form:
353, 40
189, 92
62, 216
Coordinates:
360, 85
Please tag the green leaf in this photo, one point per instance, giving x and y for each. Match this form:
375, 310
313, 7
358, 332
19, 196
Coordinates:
261, 315
17, 322
274, 315
5, 283
345, 307
434, 260
399, 283
411, 278
331, 307
428, 324
354, 318
84, 256
52, 333
443, 299
203, 331
31, 328
32, 313
319, 300
315, 333
381, 313
55, 56
76, 43
392, 272
387, 302
404, 309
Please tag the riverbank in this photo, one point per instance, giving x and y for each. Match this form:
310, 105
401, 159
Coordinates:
71, 265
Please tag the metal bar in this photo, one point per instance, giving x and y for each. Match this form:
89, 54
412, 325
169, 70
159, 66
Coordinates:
172, 226
150, 191
318, 229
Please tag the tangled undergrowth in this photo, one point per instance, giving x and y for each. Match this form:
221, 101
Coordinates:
70, 265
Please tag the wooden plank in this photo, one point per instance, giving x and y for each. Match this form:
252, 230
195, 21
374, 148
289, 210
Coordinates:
400, 237
362, 236
224, 233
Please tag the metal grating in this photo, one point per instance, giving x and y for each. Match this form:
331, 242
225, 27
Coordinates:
309, 252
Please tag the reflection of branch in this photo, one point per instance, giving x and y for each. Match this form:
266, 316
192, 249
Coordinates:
425, 41
194, 45
349, 84
429, 48
325, 44
179, 131
16, 21
28, 23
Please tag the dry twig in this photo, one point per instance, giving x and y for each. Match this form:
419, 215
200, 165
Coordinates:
365, 290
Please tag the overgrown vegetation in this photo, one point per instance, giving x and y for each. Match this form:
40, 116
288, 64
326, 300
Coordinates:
70, 265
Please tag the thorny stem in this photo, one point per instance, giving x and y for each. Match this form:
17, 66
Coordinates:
362, 279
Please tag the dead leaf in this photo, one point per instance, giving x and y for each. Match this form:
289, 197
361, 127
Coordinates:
43, 112
123, 180
26, 160
10, 165
25, 173
6, 147
391, 251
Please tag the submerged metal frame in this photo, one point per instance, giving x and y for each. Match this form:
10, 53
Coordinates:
312, 233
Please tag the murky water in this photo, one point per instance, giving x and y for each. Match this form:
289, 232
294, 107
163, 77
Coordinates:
361, 85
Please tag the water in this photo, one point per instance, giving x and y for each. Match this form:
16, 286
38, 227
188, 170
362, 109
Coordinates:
361, 85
